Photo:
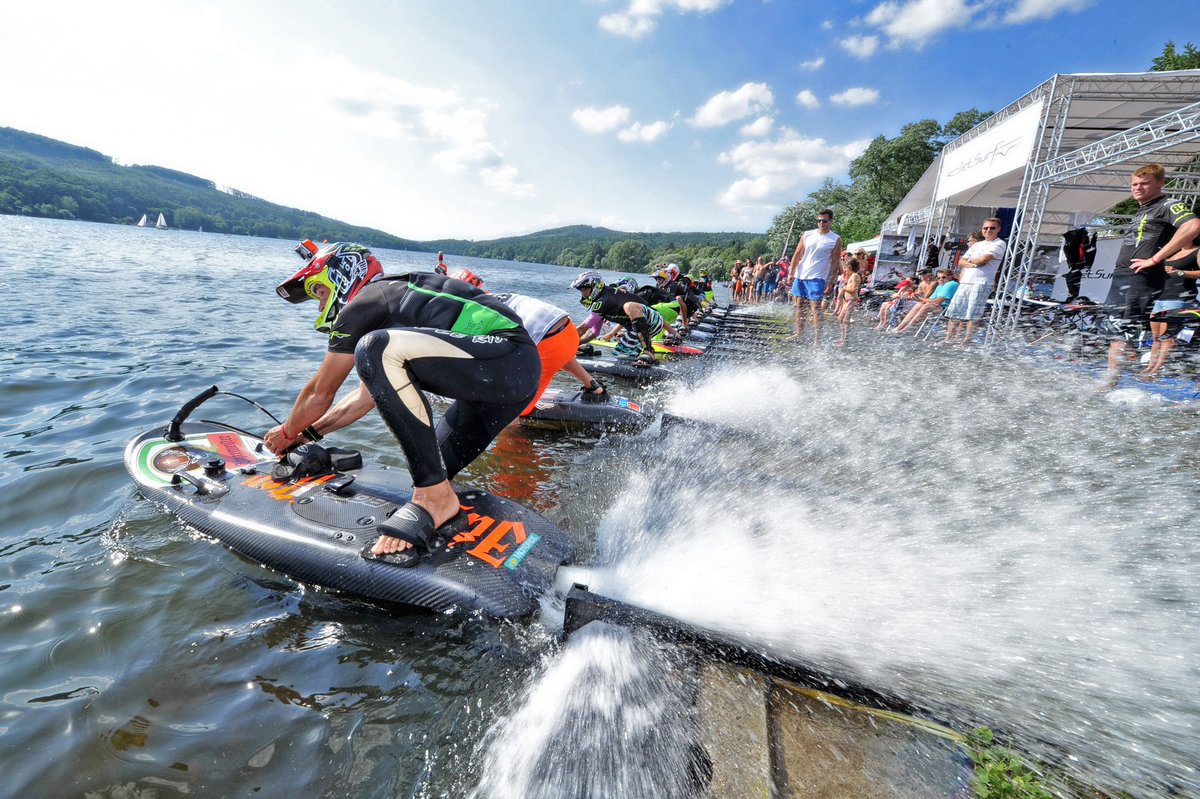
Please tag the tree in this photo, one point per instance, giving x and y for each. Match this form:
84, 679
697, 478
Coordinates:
879, 179
888, 168
1171, 59
961, 122
627, 256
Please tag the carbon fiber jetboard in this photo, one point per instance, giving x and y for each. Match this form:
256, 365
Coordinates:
557, 408
496, 556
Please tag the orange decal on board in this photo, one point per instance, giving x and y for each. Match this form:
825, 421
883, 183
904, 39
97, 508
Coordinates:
284, 491
494, 548
231, 449
479, 526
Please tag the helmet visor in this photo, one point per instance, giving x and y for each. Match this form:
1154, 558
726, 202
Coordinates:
293, 289
298, 288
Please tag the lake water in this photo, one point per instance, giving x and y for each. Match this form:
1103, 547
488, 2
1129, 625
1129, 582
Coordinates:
973, 532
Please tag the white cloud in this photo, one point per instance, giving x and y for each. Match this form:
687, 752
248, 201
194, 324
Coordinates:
915, 22
776, 167
855, 96
506, 180
827, 25
637, 132
626, 24
725, 107
806, 98
641, 15
601, 120
860, 46
813, 64
1026, 10
758, 128
453, 126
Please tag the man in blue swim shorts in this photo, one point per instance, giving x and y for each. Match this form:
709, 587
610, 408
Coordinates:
813, 263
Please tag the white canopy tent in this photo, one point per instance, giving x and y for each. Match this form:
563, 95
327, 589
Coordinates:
1060, 155
869, 246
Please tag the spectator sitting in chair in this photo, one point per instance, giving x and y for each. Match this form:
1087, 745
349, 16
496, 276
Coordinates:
940, 298
906, 291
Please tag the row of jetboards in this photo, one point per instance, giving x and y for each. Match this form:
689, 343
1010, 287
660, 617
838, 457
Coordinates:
722, 332
496, 556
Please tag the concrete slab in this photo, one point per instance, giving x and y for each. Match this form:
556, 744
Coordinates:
734, 729
826, 749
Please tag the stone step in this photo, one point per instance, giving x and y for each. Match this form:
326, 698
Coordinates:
771, 739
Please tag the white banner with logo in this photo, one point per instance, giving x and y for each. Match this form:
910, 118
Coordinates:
998, 151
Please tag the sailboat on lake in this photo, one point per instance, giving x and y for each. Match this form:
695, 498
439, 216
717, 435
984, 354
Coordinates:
161, 224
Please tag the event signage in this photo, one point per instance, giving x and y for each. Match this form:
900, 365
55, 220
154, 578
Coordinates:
996, 152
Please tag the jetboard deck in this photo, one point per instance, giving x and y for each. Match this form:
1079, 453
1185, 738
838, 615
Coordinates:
626, 370
564, 409
496, 556
673, 349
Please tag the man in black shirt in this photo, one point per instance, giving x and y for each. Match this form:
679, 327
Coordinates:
1159, 228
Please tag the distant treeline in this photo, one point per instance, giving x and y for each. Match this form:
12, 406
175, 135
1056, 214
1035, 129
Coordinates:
43, 177
48, 178
585, 247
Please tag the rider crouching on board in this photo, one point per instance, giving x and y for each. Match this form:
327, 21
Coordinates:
407, 334
672, 288
669, 311
641, 322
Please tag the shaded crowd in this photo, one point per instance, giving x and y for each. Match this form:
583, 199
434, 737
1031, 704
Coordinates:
1151, 299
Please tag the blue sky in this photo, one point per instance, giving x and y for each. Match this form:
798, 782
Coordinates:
497, 117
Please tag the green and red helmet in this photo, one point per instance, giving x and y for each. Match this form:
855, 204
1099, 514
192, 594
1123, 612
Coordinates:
342, 268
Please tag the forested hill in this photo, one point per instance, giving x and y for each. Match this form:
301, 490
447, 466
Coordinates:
593, 247
43, 177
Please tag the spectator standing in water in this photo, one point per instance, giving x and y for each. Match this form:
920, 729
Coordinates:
812, 267
1178, 291
1160, 228
850, 285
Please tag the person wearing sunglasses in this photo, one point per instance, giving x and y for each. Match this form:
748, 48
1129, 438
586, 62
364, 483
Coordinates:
946, 288
817, 255
978, 267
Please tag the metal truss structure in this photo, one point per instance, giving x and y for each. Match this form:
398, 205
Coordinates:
1095, 129
1172, 139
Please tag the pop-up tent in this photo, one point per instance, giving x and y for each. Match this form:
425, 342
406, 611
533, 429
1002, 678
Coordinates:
1058, 156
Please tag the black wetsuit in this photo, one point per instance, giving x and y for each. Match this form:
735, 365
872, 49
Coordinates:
680, 291
610, 304
426, 332
1132, 294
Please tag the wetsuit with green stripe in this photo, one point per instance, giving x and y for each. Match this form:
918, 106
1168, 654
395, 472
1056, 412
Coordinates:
426, 332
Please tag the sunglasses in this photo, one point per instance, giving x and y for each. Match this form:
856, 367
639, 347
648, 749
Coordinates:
991, 227
824, 221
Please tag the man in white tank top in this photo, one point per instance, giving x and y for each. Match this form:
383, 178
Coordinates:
813, 263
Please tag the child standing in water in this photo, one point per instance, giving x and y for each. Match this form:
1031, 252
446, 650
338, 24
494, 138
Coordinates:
851, 281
